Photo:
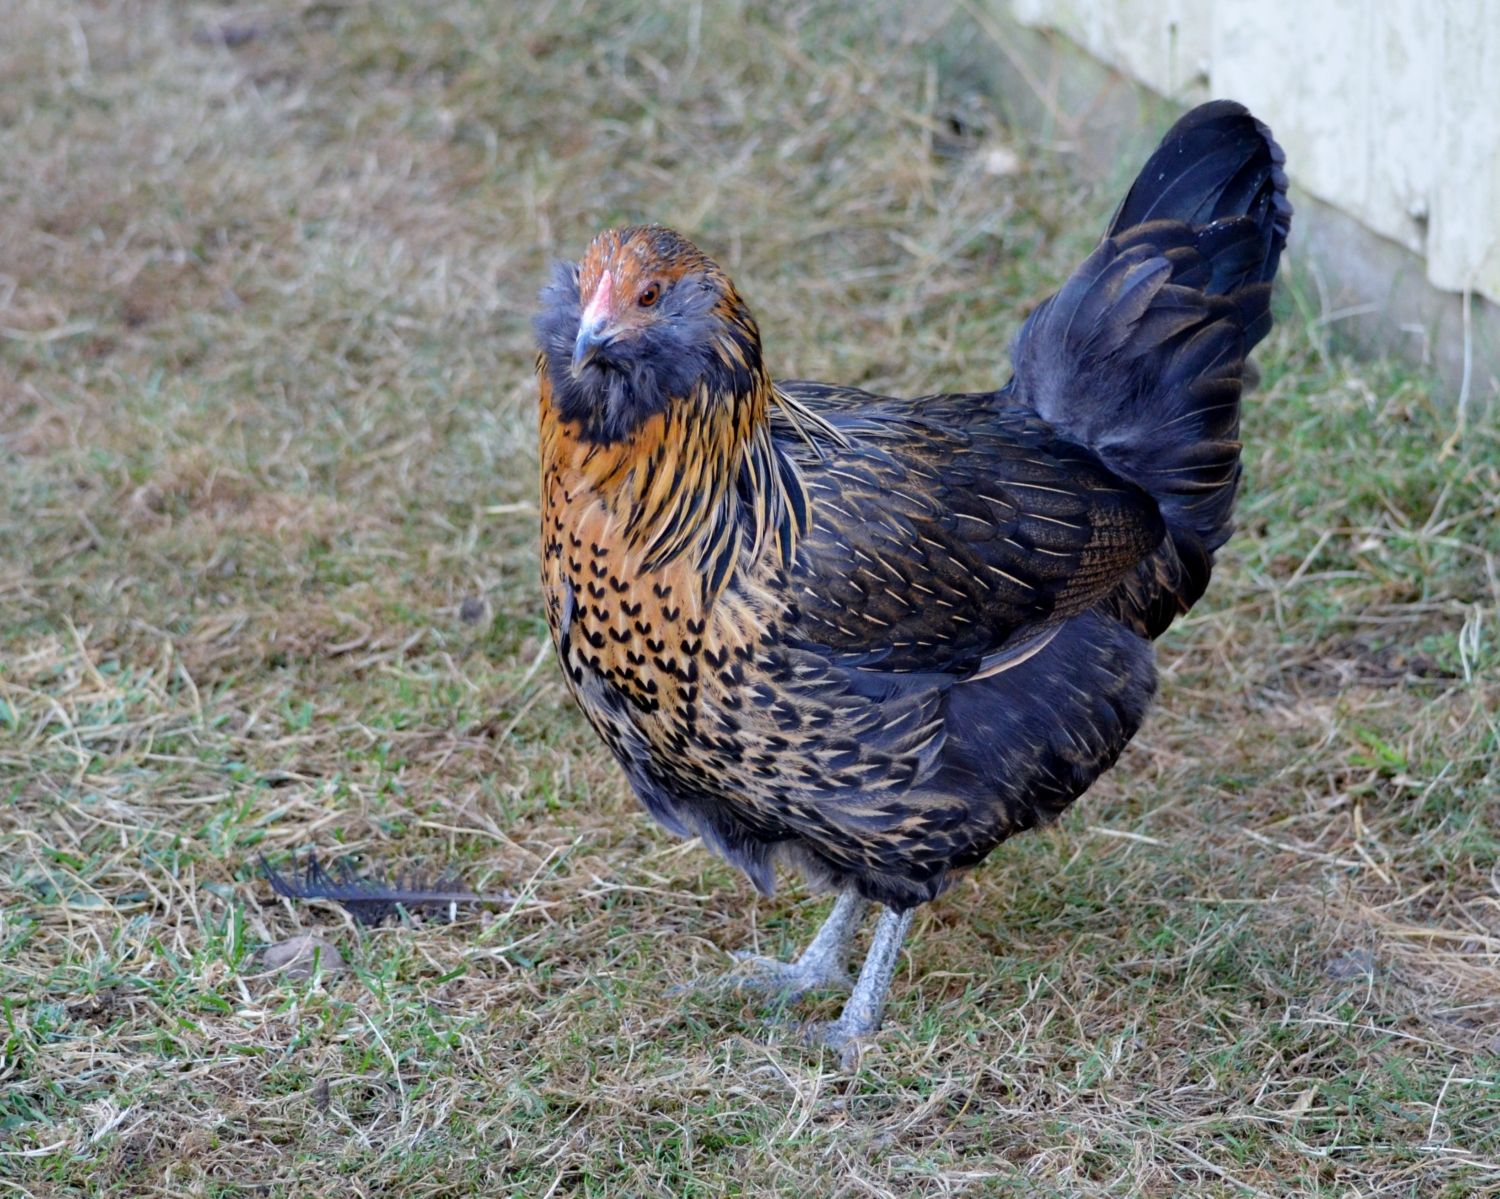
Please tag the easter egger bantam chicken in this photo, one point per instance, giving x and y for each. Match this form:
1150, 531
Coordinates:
871, 638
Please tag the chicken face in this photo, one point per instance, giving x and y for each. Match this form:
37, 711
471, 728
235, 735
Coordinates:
643, 321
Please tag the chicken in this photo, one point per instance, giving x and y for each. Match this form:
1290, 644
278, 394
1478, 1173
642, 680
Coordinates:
872, 638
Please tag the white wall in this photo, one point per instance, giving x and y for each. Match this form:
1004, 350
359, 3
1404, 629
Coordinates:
1388, 109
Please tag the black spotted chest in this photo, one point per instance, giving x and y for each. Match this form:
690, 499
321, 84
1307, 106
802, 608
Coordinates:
670, 706
625, 645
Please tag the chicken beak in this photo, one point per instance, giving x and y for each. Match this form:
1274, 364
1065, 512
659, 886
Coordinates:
593, 328
591, 339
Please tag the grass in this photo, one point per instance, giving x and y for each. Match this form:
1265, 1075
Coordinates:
267, 581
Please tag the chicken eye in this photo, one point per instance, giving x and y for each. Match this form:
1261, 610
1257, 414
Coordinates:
649, 296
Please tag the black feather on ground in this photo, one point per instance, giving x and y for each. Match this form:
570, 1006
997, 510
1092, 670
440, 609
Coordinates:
371, 901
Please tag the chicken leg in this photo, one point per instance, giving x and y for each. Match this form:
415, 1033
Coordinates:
822, 964
866, 1004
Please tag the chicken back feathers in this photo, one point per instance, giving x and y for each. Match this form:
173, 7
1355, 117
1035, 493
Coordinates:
875, 637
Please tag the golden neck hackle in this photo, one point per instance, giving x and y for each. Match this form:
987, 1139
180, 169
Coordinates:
701, 480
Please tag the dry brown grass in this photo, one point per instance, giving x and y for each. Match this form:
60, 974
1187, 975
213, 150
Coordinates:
267, 576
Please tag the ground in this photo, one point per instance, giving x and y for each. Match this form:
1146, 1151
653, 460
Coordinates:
268, 582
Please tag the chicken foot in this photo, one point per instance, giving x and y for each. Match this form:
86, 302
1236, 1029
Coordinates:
821, 965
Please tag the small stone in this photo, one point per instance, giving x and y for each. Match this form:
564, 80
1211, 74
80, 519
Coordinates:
295, 957
1357, 963
1001, 161
472, 610
231, 35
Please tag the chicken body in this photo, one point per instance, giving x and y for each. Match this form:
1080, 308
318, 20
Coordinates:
874, 637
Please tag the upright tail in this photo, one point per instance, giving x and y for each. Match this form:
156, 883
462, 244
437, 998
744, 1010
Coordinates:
1141, 355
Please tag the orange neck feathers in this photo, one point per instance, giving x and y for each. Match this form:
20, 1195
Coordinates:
702, 479
657, 406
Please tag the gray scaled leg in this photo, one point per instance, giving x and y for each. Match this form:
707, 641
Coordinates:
822, 964
862, 1013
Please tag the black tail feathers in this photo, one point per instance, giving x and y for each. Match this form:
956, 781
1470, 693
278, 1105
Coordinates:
1141, 355
1218, 162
